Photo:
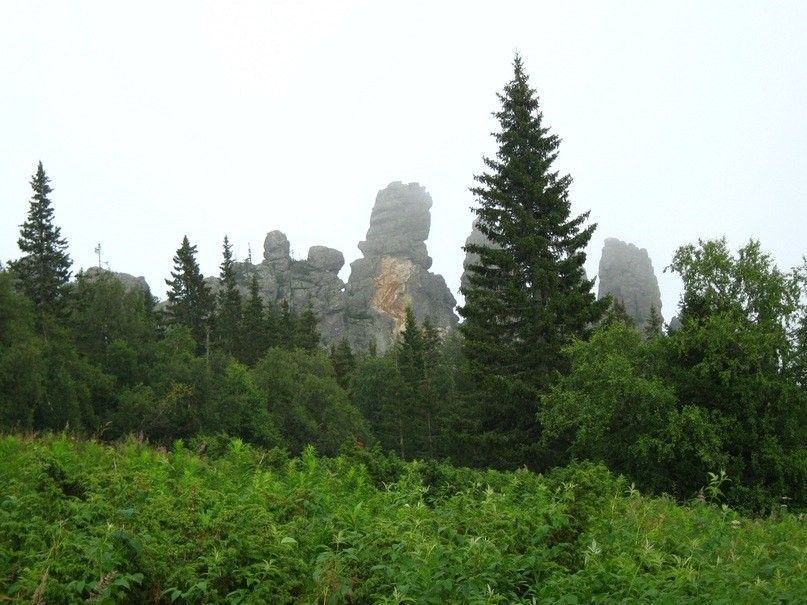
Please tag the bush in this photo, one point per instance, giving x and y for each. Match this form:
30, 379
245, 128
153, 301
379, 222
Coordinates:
237, 524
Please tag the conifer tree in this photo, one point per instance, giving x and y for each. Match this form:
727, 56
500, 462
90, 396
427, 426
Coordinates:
254, 339
306, 335
286, 323
43, 271
528, 295
431, 340
228, 304
344, 363
410, 354
432, 402
616, 312
653, 326
190, 302
271, 319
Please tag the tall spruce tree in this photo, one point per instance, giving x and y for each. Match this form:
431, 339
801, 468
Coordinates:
528, 295
190, 302
254, 337
409, 355
43, 271
228, 304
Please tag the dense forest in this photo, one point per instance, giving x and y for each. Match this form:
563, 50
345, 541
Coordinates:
539, 375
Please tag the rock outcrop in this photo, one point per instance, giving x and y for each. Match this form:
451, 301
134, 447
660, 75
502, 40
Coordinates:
476, 237
626, 273
369, 310
393, 273
315, 280
130, 282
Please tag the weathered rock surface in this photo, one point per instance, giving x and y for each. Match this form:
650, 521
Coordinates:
391, 276
130, 282
626, 273
476, 237
315, 280
393, 272
276, 250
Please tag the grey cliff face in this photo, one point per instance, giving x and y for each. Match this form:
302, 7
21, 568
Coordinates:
393, 273
276, 250
399, 224
626, 273
313, 280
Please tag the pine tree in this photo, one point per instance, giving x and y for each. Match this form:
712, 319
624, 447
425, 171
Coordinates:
228, 304
43, 271
190, 302
528, 295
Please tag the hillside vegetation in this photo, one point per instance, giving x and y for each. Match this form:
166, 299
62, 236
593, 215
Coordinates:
219, 521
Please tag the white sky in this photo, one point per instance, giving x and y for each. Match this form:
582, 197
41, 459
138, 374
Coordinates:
679, 120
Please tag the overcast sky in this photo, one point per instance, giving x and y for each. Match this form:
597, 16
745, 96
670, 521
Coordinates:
157, 119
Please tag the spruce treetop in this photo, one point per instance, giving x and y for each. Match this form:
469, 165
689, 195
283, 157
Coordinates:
190, 302
528, 295
43, 271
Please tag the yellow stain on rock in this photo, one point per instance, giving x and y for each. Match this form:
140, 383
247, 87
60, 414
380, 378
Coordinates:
390, 289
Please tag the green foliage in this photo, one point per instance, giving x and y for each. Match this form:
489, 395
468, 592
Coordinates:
21, 367
720, 394
256, 327
616, 313
654, 325
734, 358
344, 363
376, 389
528, 295
306, 335
227, 324
44, 269
614, 408
112, 326
241, 525
301, 392
190, 302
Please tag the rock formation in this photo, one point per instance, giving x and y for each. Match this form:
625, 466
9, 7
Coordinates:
393, 272
626, 273
392, 275
130, 282
315, 280
476, 237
